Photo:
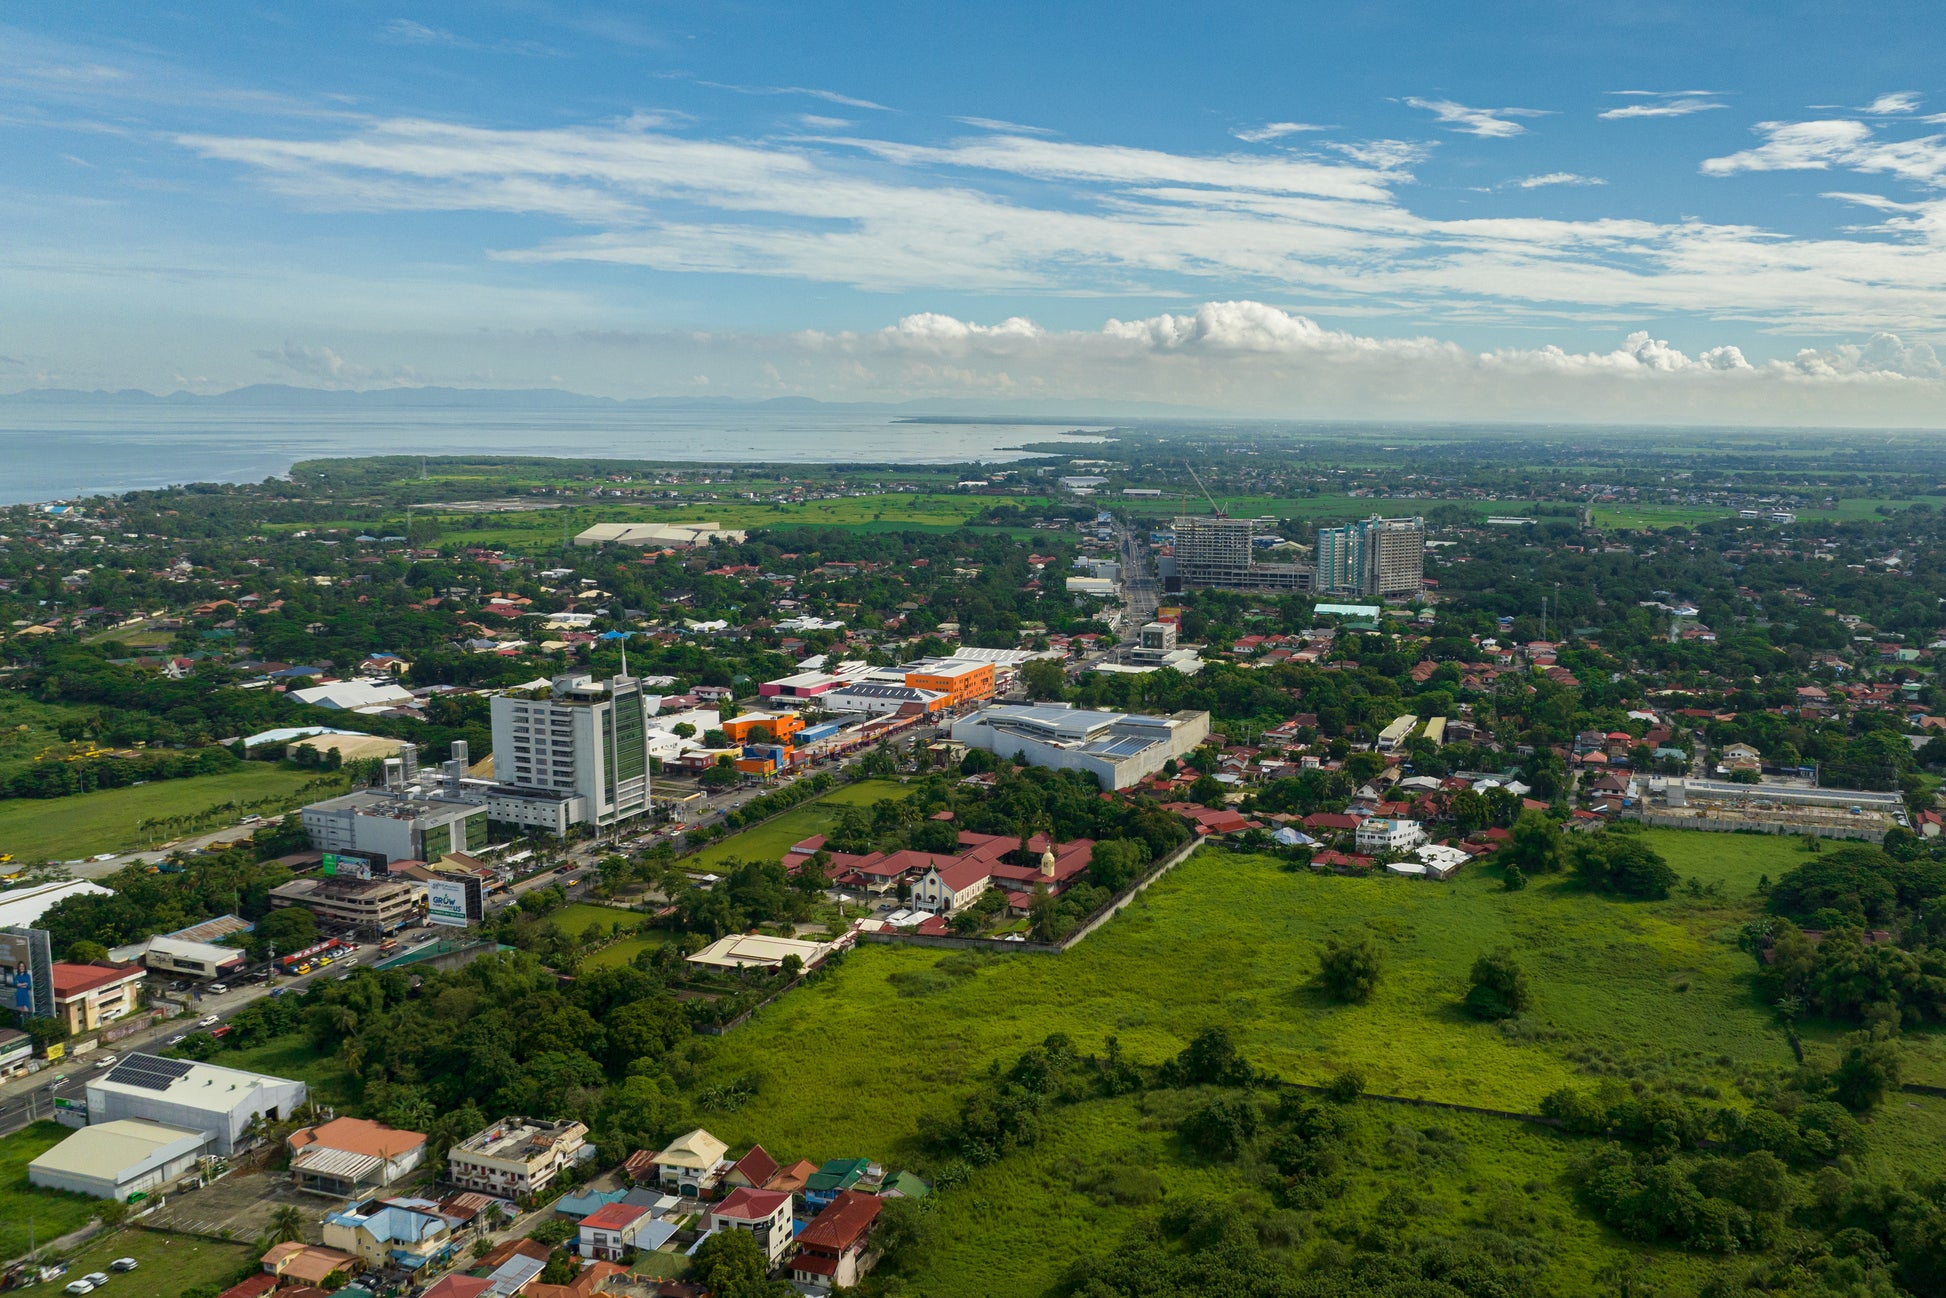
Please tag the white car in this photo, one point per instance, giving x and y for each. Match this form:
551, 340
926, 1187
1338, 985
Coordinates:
105, 1061
79, 1286
208, 1021
217, 989
123, 1264
95, 1278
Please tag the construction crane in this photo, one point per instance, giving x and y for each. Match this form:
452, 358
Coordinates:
1214, 508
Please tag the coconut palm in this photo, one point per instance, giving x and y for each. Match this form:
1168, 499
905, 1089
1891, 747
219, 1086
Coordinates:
286, 1224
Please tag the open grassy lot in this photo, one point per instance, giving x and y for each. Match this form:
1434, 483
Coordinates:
574, 918
170, 1264
27, 728
1232, 939
27, 1210
109, 820
769, 841
1624, 989
330, 1082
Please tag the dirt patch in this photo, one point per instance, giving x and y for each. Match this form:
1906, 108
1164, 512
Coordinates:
239, 1207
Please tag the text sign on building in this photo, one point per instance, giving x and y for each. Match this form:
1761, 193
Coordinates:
446, 903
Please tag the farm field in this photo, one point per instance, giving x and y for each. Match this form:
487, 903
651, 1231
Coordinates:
109, 820
51, 1212
769, 841
170, 1264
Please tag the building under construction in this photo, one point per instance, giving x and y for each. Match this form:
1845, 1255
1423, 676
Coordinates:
1221, 552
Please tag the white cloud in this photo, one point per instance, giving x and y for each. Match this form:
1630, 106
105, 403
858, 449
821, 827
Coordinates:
1900, 101
829, 96
1489, 122
1663, 108
333, 370
1008, 213
1274, 131
1002, 127
1556, 178
1837, 142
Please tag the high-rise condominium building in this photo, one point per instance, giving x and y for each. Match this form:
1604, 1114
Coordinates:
579, 742
1385, 557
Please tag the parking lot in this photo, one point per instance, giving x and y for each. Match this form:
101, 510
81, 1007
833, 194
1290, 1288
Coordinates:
239, 1206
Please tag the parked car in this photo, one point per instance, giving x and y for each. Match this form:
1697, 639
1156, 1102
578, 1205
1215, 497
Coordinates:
208, 1021
95, 1278
123, 1264
304, 968
79, 1286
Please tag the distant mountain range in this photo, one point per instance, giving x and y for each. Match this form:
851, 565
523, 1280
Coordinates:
282, 396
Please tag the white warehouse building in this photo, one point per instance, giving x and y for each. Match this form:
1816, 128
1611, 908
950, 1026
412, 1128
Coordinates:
1118, 747
219, 1102
112, 1160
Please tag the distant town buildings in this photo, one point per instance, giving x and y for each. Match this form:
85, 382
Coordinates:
1221, 552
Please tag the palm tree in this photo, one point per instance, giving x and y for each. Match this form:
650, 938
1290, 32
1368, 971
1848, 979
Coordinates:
286, 1224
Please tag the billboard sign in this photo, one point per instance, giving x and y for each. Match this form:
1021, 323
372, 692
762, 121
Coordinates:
446, 902
345, 865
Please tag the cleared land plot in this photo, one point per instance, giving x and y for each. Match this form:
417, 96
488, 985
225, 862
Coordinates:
109, 820
51, 1212
769, 841
170, 1264
240, 1206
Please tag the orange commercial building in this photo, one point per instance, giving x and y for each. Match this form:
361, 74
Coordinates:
781, 725
962, 683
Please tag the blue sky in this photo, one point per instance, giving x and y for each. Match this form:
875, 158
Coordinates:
1664, 211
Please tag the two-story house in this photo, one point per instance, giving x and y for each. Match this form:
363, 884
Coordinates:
766, 1214
692, 1164
831, 1249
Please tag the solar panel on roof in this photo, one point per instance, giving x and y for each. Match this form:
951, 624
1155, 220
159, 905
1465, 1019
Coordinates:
150, 1072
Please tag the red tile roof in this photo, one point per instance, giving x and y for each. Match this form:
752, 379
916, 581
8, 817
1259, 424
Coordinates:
745, 1204
842, 1224
757, 1166
614, 1216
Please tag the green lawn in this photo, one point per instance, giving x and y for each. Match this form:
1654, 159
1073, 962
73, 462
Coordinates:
27, 728
110, 820
27, 1211
575, 917
171, 1264
769, 841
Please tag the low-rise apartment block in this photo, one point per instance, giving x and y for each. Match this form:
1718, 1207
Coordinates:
515, 1157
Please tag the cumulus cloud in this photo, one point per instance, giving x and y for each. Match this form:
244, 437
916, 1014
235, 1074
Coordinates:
1492, 123
1274, 131
332, 370
1252, 357
1899, 101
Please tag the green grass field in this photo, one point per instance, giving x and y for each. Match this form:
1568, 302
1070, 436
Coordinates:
108, 820
769, 841
27, 728
170, 1264
27, 1210
330, 1082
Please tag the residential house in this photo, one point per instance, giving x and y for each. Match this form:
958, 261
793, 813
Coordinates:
834, 1178
310, 1264
406, 1233
766, 1214
830, 1250
692, 1165
608, 1233
753, 1171
1384, 834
